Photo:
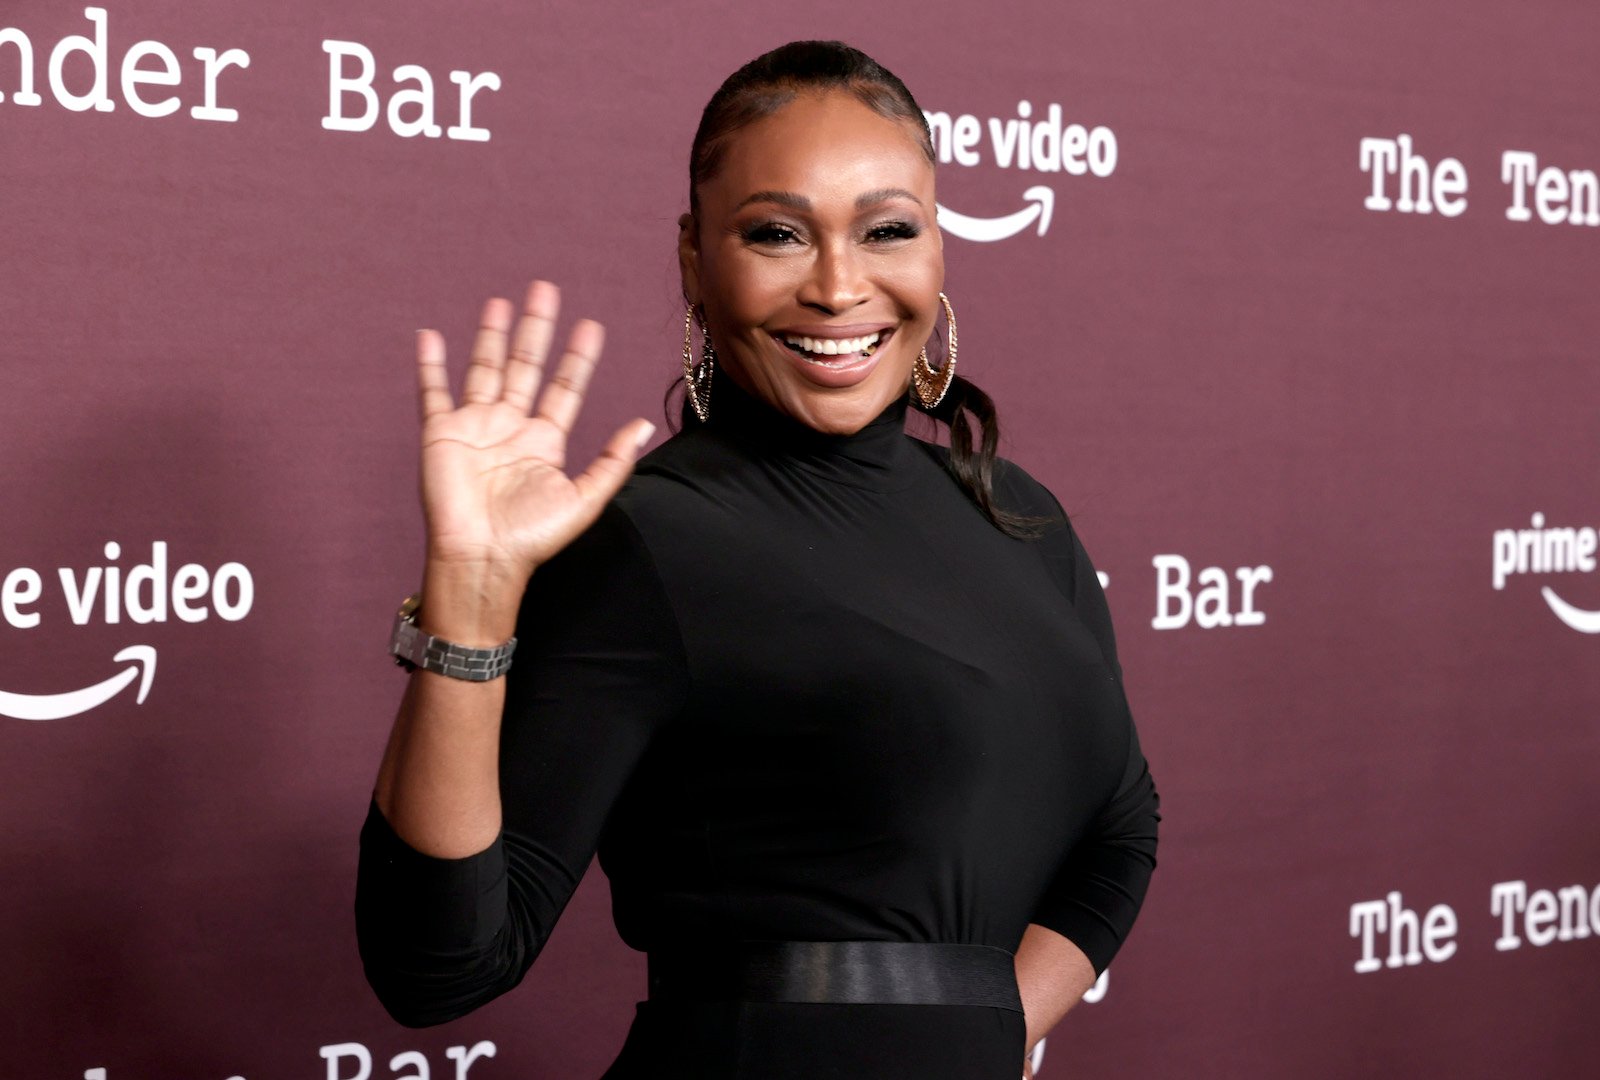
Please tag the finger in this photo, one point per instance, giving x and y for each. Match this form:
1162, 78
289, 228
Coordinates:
563, 392
605, 474
488, 354
433, 381
530, 344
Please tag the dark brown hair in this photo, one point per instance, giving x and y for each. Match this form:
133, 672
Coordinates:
765, 85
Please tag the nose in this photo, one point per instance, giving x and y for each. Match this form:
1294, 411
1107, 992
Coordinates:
837, 281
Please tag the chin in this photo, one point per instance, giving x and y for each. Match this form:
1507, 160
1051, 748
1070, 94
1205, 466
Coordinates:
841, 417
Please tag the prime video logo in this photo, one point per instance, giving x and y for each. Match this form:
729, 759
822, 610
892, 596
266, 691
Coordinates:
1045, 143
1549, 550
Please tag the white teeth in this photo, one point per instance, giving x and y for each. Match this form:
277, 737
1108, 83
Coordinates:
832, 346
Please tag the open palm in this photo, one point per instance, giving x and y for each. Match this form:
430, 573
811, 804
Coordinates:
495, 489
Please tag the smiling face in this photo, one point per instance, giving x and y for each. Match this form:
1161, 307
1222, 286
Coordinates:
817, 258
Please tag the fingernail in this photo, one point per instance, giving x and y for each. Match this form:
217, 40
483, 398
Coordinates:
644, 435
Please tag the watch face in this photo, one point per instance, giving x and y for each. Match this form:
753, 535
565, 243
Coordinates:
408, 608
405, 640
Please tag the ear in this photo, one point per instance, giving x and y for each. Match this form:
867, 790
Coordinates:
689, 257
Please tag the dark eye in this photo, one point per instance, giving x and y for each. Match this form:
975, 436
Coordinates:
770, 232
893, 230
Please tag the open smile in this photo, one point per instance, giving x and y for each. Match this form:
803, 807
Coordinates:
836, 354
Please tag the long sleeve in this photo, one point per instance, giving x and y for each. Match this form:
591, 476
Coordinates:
599, 669
1096, 893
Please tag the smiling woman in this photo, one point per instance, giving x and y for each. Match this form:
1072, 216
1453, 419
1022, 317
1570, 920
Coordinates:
839, 709
837, 112
815, 230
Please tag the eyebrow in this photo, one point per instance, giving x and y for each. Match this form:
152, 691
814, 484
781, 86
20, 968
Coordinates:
872, 198
802, 204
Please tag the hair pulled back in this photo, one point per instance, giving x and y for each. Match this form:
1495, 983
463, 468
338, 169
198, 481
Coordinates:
765, 85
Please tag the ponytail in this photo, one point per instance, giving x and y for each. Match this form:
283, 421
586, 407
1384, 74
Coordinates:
962, 406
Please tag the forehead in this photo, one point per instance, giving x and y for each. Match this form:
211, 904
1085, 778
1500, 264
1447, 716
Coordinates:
823, 146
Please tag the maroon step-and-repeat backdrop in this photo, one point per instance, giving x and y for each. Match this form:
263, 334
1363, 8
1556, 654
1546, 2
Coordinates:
1295, 306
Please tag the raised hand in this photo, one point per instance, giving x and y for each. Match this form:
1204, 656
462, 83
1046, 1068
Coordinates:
495, 491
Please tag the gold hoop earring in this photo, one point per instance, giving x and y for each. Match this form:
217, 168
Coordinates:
929, 385
697, 377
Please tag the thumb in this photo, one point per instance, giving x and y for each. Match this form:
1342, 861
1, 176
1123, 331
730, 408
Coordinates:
605, 475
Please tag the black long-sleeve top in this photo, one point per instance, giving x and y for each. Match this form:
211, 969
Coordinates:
791, 686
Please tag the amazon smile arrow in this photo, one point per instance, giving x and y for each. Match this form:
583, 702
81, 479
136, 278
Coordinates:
1586, 622
984, 230
142, 659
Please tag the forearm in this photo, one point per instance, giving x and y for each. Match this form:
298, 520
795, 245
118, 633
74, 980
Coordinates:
1053, 974
438, 785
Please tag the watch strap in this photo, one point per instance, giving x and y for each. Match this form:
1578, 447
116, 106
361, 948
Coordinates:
415, 648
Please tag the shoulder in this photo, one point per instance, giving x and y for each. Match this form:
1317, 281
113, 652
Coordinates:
690, 481
669, 481
685, 464
1016, 491
1060, 549
663, 508
626, 540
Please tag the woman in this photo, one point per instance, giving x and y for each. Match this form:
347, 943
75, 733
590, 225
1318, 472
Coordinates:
840, 710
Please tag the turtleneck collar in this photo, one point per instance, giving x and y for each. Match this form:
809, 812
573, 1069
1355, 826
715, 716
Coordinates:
878, 456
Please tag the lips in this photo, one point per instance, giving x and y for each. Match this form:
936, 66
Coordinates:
831, 345
839, 358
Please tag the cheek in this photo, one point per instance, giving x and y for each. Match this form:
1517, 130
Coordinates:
746, 287
916, 287
915, 275
930, 274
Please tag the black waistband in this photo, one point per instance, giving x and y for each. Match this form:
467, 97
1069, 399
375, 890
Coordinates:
839, 972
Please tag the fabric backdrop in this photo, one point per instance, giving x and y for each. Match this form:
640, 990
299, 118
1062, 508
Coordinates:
1293, 305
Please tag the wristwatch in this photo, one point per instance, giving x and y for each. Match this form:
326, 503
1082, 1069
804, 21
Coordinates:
413, 648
